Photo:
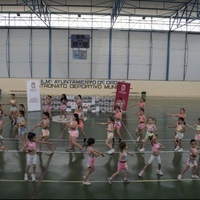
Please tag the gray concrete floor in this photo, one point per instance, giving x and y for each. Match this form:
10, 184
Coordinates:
60, 176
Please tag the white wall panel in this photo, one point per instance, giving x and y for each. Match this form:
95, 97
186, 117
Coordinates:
40, 46
100, 53
97, 65
3, 68
19, 53
59, 54
177, 50
80, 68
193, 68
119, 55
159, 56
139, 55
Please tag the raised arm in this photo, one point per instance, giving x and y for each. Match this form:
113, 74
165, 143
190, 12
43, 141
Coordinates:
97, 153
24, 147
37, 125
130, 154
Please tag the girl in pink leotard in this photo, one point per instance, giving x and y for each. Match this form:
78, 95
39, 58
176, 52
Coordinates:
92, 153
155, 155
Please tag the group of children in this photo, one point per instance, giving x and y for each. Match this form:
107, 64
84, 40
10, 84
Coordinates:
16, 116
145, 131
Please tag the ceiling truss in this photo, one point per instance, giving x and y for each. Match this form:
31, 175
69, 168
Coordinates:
179, 12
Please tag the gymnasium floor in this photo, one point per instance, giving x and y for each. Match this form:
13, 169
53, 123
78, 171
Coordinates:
60, 176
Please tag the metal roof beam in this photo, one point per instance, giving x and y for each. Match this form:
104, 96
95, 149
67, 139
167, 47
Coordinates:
118, 4
40, 8
187, 13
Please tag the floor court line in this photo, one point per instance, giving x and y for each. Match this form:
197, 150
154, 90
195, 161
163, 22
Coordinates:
130, 181
78, 152
99, 141
6, 124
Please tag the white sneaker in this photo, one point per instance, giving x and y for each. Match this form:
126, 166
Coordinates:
86, 183
1, 137
177, 148
111, 151
179, 177
195, 177
180, 150
142, 150
109, 180
141, 173
33, 177
159, 172
138, 138
26, 177
108, 151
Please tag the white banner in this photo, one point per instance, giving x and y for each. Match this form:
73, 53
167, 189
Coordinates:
33, 95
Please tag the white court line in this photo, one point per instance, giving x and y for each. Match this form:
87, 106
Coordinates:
130, 181
77, 152
103, 141
6, 124
130, 135
66, 140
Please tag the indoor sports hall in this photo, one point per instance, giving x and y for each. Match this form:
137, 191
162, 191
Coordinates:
142, 53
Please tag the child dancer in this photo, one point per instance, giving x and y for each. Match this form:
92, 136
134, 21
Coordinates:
44, 124
73, 133
150, 130
191, 161
31, 157
63, 106
180, 130
141, 124
13, 108
21, 107
110, 133
141, 104
197, 133
48, 106
181, 113
80, 113
78, 100
92, 153
120, 103
118, 123
1, 121
21, 126
156, 146
122, 162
